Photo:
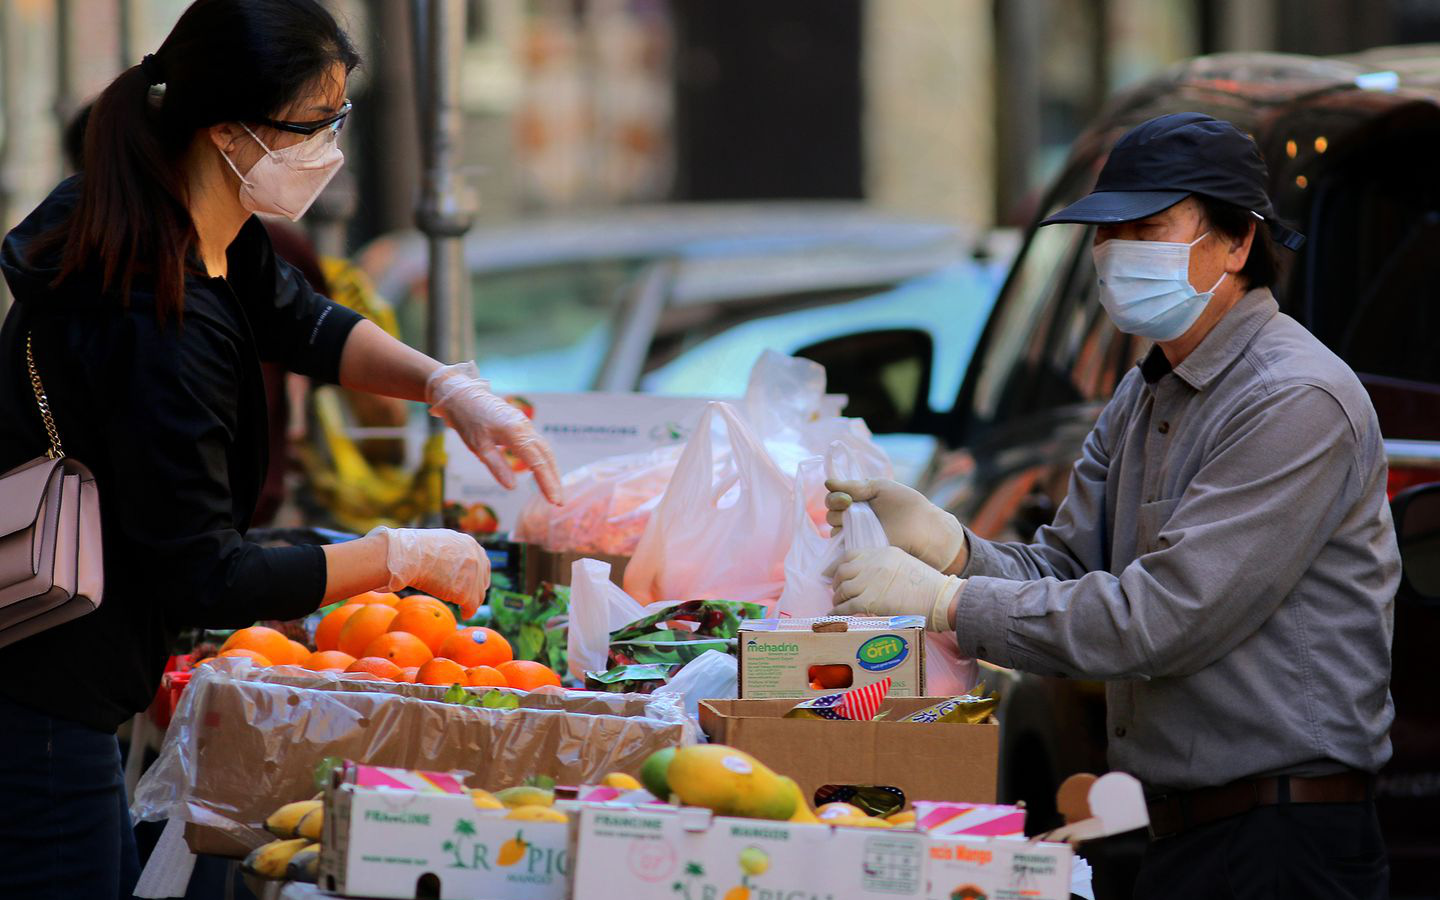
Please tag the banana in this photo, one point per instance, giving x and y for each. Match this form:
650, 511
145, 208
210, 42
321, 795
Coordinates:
270, 860
283, 821
621, 781
305, 865
310, 826
525, 795
537, 814
485, 799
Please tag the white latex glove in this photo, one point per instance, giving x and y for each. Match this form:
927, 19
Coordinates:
911, 521
891, 582
487, 423
438, 561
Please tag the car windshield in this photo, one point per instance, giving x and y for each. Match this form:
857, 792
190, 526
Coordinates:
951, 306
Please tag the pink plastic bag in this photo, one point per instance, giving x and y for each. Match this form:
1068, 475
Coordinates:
607, 505
723, 528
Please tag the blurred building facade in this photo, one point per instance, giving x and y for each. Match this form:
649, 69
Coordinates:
951, 109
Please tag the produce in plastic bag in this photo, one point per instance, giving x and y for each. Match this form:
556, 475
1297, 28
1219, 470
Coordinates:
607, 505
597, 607
724, 525
682, 632
710, 676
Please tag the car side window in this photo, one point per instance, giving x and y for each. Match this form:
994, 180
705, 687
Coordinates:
1045, 328
1374, 262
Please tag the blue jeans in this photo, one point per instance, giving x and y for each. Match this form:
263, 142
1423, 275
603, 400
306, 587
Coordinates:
64, 825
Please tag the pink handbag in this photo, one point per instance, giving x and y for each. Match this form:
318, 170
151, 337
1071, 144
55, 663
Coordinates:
50, 558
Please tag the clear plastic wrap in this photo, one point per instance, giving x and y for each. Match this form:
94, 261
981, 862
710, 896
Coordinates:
245, 740
607, 505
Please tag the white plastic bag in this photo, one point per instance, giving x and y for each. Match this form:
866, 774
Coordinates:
723, 528
786, 404
710, 676
809, 590
597, 607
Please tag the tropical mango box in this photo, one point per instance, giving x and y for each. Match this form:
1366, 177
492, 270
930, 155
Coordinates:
405, 844
688, 854
805, 658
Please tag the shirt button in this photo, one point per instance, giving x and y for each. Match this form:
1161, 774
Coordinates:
1164, 428
1120, 731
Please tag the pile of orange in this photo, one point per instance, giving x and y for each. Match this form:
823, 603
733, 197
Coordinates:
416, 639
381, 636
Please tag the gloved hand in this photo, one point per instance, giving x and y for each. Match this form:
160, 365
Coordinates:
486, 423
891, 582
438, 561
911, 522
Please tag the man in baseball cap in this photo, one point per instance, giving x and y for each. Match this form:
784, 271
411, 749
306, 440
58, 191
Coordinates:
1224, 557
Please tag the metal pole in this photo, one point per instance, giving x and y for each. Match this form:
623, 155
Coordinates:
445, 212
131, 31
65, 100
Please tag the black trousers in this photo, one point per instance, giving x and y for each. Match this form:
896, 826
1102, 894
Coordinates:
64, 825
1293, 850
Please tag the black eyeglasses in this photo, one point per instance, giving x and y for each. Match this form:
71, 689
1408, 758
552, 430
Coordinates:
334, 123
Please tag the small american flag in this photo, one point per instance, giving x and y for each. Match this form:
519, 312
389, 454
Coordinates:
861, 704
858, 704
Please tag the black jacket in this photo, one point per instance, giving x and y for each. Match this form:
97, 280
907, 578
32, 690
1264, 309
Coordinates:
172, 421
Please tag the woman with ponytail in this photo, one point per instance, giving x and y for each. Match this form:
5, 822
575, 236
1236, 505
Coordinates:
150, 294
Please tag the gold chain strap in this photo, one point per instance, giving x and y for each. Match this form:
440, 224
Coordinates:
55, 451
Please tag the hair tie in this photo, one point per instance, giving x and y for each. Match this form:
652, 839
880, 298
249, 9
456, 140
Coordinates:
151, 67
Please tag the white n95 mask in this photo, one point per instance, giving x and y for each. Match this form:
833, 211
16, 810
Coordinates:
1145, 287
285, 182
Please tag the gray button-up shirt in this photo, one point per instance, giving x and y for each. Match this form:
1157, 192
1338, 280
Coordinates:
1225, 558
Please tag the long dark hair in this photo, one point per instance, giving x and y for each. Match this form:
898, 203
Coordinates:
224, 61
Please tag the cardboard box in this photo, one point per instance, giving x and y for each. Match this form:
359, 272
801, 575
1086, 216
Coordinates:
581, 429
960, 762
547, 565
962, 868
776, 655
403, 844
687, 854
246, 740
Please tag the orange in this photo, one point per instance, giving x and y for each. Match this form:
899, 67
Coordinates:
259, 658
384, 597
364, 676
328, 659
490, 650
373, 665
420, 600
365, 625
431, 624
441, 671
266, 641
401, 648
327, 633
527, 675
298, 654
485, 676
407, 674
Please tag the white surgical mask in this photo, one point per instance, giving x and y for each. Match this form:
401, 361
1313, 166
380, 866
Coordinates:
285, 182
1145, 287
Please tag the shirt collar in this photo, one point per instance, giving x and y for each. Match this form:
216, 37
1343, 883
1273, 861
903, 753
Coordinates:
1227, 340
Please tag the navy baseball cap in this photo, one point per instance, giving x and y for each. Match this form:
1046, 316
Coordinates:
1161, 162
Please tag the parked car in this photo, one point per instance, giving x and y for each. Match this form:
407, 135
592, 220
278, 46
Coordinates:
683, 299
1348, 142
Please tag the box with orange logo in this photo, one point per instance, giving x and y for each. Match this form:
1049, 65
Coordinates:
390, 843
978, 868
